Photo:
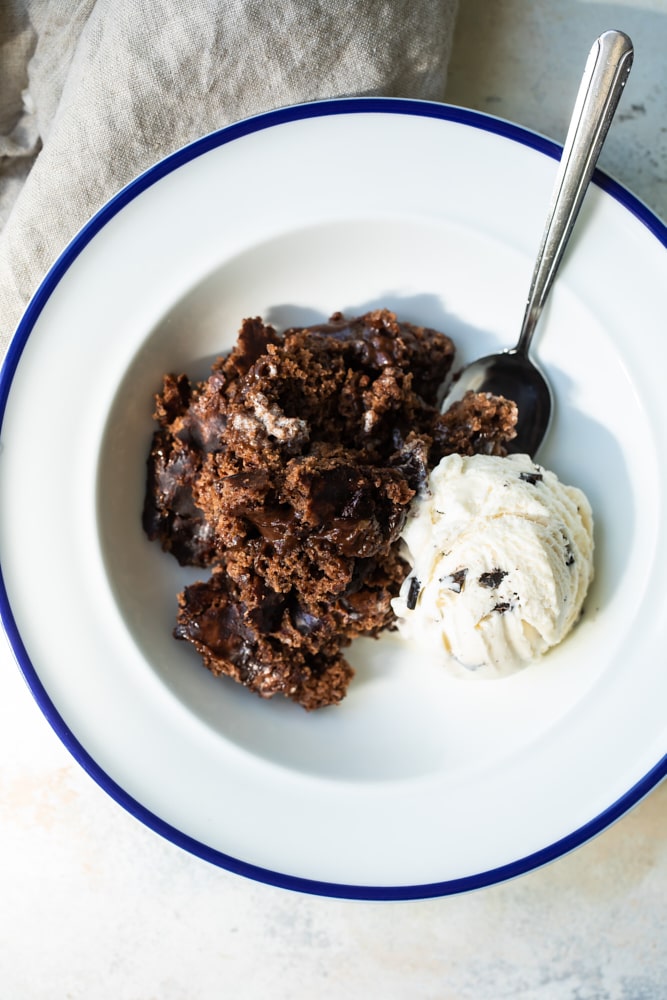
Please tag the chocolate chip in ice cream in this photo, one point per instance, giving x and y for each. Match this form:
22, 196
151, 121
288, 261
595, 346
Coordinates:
455, 581
492, 579
413, 593
531, 477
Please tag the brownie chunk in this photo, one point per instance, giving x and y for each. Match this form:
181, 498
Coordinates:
273, 643
289, 473
478, 424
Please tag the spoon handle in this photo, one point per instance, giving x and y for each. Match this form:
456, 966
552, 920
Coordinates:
605, 75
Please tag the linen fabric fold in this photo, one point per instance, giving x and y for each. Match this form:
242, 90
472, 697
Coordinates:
93, 92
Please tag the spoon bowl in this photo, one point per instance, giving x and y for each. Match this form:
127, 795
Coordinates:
512, 373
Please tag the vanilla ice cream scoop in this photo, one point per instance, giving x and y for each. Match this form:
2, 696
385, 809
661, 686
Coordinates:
502, 558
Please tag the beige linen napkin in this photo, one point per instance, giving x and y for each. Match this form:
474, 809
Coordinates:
94, 91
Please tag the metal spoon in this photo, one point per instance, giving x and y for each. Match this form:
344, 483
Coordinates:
512, 373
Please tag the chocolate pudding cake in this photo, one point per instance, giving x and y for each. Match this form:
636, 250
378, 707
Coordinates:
288, 473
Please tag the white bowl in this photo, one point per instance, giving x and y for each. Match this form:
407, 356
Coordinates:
417, 784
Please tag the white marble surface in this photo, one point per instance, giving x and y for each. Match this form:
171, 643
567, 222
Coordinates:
96, 907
